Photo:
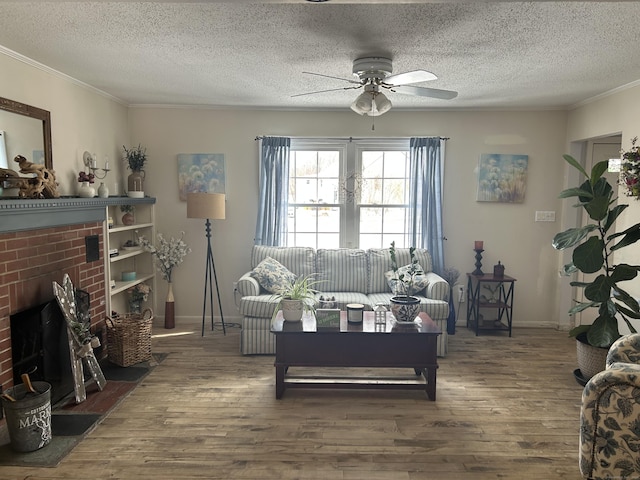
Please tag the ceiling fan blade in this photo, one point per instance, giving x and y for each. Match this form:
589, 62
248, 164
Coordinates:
415, 76
425, 92
323, 91
337, 78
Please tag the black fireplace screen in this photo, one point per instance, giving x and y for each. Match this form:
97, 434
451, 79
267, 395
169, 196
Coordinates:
40, 346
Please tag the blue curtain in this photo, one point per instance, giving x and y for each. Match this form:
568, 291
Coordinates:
425, 197
271, 225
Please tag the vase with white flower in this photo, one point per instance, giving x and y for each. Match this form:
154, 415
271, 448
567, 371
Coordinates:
137, 294
169, 253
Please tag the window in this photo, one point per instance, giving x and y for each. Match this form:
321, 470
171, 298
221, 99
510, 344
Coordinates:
349, 193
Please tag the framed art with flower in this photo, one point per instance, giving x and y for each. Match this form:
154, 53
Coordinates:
201, 173
502, 178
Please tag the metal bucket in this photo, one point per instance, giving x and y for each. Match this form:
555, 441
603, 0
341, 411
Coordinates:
29, 417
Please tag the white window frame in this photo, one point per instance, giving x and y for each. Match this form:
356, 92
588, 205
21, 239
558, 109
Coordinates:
350, 154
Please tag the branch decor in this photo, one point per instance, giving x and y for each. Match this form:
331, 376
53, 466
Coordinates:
168, 253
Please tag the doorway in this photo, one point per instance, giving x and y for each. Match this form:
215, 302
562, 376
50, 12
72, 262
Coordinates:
597, 150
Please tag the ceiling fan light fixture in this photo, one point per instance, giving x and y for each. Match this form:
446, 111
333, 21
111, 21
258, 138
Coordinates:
371, 103
382, 103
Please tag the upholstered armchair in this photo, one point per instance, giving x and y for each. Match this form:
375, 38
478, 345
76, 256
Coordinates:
610, 415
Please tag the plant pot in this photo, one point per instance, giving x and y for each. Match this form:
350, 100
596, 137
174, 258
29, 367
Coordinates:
405, 309
292, 310
591, 360
128, 219
135, 184
86, 190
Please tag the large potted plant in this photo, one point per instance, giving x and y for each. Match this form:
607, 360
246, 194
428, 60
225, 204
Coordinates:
296, 298
593, 254
404, 306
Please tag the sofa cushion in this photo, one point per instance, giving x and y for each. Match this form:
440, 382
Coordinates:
298, 260
420, 281
379, 262
272, 275
342, 270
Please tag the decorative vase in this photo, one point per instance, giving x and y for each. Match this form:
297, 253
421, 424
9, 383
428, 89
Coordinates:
169, 308
103, 190
405, 308
451, 319
86, 190
135, 184
128, 219
291, 310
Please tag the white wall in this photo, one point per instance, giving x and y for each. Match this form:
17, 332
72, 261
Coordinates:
508, 230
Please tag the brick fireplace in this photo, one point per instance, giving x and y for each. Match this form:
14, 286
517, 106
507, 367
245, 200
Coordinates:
31, 258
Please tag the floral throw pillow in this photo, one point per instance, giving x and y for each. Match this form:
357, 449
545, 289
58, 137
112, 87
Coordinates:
420, 281
272, 275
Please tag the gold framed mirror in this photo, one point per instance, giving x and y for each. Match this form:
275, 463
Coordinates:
31, 145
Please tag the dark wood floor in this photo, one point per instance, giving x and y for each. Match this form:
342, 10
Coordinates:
507, 408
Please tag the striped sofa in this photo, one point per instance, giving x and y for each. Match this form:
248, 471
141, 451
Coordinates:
349, 275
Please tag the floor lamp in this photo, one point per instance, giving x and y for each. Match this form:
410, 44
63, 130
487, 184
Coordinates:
211, 207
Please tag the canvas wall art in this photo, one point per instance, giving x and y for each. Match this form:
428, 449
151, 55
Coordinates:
201, 172
502, 178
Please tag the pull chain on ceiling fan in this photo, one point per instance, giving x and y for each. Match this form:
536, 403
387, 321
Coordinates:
374, 73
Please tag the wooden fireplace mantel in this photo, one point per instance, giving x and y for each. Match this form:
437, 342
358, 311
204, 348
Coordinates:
28, 214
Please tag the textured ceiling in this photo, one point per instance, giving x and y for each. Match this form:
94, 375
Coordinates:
252, 54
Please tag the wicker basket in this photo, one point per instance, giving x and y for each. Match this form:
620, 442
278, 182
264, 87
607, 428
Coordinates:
129, 338
591, 360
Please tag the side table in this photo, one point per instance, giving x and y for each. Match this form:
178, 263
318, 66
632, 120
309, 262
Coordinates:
490, 293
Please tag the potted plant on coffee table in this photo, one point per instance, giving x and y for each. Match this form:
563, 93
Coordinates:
593, 254
404, 306
296, 298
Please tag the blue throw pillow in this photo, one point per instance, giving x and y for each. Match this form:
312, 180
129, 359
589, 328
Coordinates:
272, 275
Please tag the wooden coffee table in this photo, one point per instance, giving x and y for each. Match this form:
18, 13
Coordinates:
300, 344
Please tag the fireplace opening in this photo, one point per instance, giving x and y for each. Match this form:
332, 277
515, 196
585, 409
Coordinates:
40, 345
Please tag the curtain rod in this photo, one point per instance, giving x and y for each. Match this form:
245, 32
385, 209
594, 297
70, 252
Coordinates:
351, 139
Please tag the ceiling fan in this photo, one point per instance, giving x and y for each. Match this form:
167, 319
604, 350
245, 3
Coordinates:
374, 74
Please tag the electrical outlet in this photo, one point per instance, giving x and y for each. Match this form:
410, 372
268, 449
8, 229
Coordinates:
460, 293
545, 216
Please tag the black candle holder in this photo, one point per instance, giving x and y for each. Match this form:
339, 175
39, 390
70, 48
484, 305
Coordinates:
478, 270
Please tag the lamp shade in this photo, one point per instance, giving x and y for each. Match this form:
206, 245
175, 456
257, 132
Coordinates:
206, 205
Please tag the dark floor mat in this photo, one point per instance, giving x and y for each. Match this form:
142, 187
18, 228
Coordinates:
70, 425
133, 373
48, 456
123, 374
